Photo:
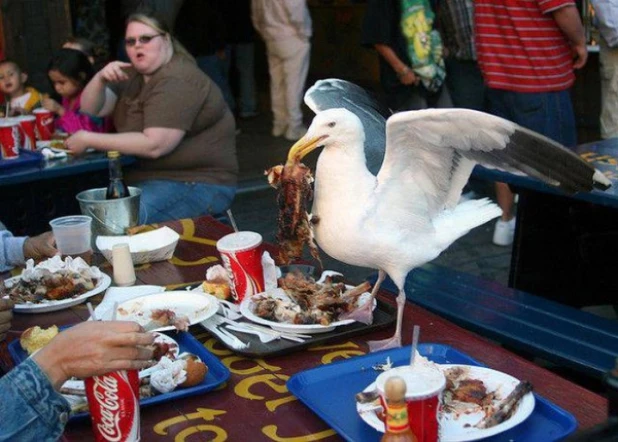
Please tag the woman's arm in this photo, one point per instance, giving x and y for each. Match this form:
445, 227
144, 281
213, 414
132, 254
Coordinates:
153, 142
404, 72
97, 99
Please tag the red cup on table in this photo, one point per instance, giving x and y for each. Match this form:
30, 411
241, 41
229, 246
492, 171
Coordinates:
241, 253
9, 139
424, 386
44, 124
27, 131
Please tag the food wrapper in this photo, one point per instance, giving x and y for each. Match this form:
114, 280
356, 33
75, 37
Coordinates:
169, 375
271, 272
33, 273
217, 274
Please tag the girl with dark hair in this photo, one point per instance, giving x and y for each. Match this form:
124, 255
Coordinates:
69, 71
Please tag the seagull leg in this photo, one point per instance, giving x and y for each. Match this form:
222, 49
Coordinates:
395, 340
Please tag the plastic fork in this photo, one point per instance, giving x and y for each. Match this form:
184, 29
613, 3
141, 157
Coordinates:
263, 337
229, 310
213, 324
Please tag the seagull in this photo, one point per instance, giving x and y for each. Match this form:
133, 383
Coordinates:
391, 201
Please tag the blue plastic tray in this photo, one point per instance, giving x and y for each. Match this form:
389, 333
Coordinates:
329, 391
26, 158
217, 372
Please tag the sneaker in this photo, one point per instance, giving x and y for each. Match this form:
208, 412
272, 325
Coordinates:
295, 133
504, 232
279, 129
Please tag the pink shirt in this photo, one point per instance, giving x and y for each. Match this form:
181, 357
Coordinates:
74, 119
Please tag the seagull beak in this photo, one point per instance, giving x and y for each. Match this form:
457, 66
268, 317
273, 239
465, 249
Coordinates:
304, 146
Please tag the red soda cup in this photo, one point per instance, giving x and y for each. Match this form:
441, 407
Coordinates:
241, 253
9, 138
27, 124
113, 400
44, 123
424, 386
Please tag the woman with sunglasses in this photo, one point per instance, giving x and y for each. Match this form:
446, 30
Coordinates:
169, 115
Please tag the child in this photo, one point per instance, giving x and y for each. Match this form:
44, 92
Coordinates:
69, 71
13, 85
81, 44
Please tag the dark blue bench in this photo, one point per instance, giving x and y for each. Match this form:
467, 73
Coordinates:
563, 335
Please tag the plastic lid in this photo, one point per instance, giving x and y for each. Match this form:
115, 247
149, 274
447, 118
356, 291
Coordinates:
421, 381
239, 241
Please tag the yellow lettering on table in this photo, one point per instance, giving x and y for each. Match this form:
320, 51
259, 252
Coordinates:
343, 354
220, 433
273, 381
341, 346
260, 365
206, 414
271, 432
588, 156
188, 234
181, 263
273, 404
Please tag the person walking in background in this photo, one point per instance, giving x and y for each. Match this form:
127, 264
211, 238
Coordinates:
607, 22
463, 76
202, 32
240, 40
286, 27
411, 65
527, 52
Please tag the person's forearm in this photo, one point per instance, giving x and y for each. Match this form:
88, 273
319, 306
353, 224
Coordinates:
94, 96
568, 20
129, 143
391, 58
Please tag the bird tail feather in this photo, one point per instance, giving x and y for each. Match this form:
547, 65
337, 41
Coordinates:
453, 224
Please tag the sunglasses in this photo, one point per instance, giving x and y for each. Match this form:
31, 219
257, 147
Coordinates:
143, 39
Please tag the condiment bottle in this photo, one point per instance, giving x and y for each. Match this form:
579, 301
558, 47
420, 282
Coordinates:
116, 187
124, 272
396, 422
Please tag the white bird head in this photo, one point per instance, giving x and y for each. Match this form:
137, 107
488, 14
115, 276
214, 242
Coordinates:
330, 129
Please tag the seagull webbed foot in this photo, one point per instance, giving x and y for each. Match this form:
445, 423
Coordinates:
392, 342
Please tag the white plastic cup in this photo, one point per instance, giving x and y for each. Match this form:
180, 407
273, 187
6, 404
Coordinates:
72, 234
424, 386
124, 272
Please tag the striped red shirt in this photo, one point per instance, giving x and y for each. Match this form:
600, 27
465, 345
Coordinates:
520, 47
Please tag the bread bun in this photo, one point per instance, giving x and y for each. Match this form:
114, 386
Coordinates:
220, 290
35, 338
196, 372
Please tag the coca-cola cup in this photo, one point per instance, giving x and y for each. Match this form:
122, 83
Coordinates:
44, 123
424, 386
241, 253
27, 130
113, 401
9, 138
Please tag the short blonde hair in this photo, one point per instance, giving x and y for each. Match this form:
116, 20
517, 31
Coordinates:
159, 25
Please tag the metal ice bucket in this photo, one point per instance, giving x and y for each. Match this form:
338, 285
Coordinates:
110, 217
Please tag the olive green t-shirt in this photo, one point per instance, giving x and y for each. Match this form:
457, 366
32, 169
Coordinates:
180, 96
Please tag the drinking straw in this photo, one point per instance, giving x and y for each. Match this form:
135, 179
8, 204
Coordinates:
415, 334
7, 109
91, 311
231, 217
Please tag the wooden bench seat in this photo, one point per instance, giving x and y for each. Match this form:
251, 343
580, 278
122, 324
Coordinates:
560, 334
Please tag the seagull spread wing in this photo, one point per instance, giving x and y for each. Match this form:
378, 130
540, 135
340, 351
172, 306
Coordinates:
334, 93
435, 150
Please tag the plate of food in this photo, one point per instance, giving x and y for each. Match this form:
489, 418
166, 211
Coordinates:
54, 284
303, 305
202, 371
478, 402
168, 310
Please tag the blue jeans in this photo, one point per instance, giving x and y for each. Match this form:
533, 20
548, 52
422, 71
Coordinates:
164, 200
243, 54
465, 84
215, 68
548, 113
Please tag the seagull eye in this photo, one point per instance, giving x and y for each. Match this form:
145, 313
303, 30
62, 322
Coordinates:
332, 124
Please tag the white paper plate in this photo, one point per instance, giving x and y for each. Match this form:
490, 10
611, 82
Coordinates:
52, 306
247, 306
453, 428
197, 307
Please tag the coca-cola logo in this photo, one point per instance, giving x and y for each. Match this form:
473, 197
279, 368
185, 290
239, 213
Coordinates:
105, 392
46, 121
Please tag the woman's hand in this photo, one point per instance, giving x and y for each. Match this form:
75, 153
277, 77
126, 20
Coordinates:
52, 106
6, 314
114, 72
41, 246
78, 142
93, 348
408, 77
